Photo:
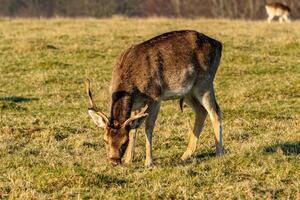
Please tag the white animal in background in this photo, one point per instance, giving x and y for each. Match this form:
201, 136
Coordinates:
278, 10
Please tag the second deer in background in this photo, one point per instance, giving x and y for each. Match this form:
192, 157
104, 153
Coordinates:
278, 10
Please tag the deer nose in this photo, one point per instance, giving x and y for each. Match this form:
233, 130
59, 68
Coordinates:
115, 161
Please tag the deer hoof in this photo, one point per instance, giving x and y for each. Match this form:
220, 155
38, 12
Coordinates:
148, 163
186, 155
128, 162
220, 152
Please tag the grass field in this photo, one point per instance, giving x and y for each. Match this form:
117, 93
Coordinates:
50, 149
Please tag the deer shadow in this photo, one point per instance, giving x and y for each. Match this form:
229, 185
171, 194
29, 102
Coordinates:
18, 99
205, 155
287, 148
175, 160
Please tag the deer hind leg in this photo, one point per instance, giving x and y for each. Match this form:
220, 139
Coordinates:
200, 115
210, 104
286, 18
149, 126
281, 19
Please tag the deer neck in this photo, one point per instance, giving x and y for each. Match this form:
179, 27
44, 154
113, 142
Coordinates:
121, 106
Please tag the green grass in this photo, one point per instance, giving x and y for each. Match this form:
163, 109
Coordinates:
50, 149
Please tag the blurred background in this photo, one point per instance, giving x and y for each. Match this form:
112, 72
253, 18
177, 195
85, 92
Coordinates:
234, 9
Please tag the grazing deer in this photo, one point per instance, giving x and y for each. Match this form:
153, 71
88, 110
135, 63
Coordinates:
175, 65
278, 10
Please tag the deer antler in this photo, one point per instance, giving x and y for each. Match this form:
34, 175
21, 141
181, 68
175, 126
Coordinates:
137, 116
89, 93
141, 113
93, 108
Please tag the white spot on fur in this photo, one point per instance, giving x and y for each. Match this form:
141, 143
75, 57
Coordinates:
170, 94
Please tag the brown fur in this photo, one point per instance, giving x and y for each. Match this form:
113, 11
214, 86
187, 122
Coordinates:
174, 65
146, 70
280, 6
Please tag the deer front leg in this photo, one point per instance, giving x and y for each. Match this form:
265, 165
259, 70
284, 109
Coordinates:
149, 126
200, 115
270, 18
131, 146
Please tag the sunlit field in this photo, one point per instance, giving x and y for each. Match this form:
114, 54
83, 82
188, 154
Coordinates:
50, 149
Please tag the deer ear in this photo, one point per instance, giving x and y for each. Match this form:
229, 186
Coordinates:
135, 122
98, 118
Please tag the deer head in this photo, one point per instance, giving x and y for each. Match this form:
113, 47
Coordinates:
116, 134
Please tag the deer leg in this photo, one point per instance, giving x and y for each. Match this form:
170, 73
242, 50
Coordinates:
200, 115
210, 104
286, 18
130, 149
270, 18
280, 19
149, 126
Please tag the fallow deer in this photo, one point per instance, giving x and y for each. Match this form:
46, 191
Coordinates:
278, 10
175, 65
